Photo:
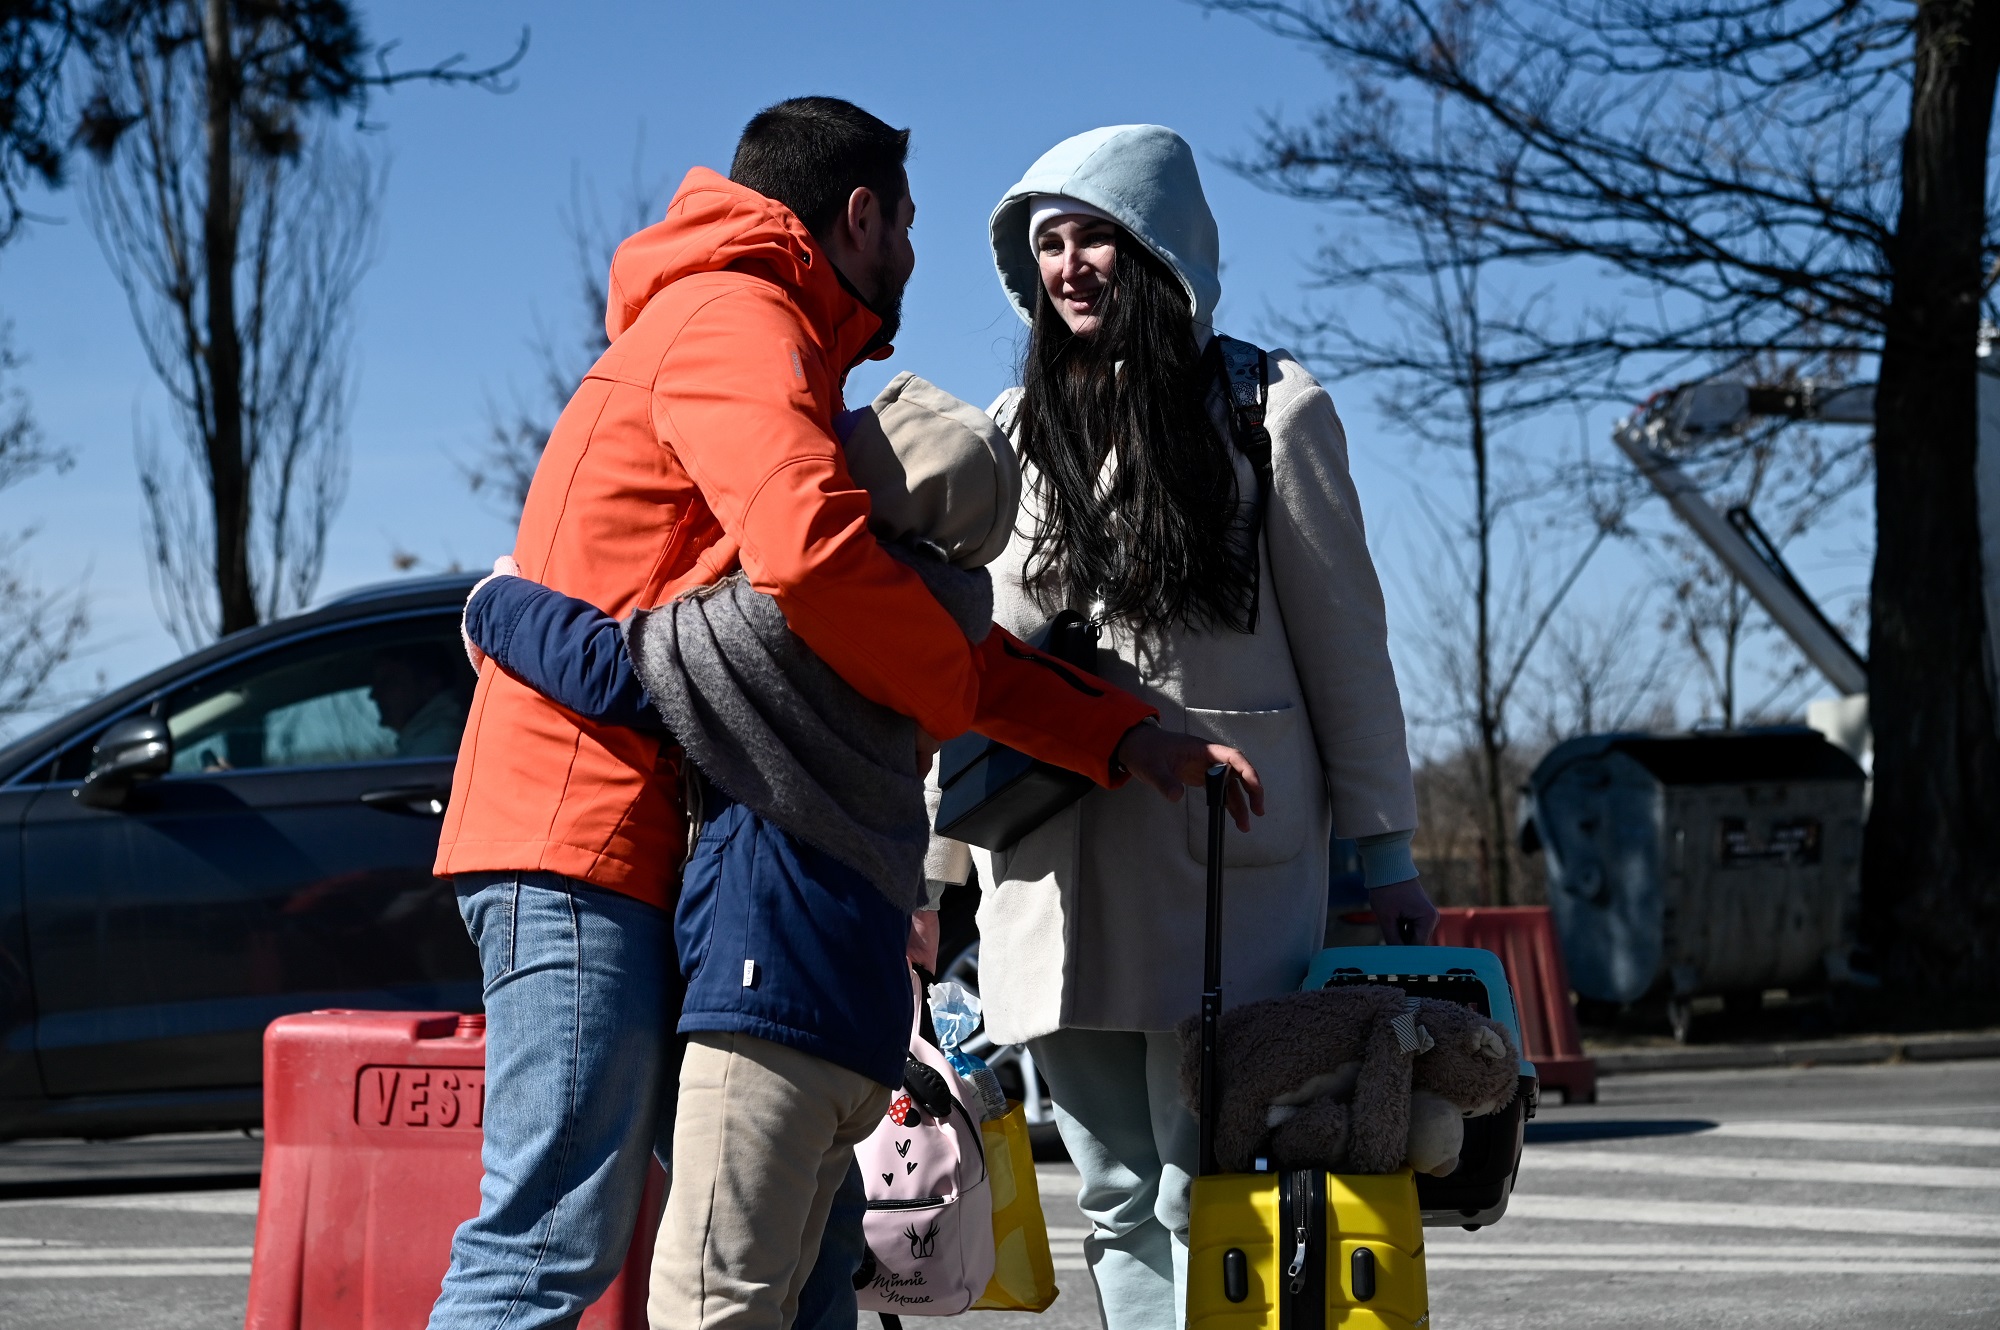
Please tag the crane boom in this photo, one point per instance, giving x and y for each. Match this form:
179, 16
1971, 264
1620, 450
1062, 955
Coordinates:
1761, 572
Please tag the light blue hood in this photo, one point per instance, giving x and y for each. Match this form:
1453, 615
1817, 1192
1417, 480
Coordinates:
1143, 175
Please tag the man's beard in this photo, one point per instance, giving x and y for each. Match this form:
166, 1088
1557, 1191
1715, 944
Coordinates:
888, 307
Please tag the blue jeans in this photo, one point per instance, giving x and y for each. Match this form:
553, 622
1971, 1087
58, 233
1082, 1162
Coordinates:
1118, 1107
580, 1068
581, 1072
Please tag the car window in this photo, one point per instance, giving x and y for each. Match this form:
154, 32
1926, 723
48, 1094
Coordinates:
369, 694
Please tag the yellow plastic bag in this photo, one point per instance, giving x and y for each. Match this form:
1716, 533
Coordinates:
1024, 1272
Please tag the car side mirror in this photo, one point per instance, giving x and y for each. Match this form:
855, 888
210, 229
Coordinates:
135, 749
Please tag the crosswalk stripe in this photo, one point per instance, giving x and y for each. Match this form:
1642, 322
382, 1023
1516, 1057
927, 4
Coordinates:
1727, 1214
1443, 1263
154, 1255
1707, 1266
1447, 1244
184, 1202
136, 1270
1859, 1133
1556, 1158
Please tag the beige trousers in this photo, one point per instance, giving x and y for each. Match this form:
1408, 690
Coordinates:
762, 1139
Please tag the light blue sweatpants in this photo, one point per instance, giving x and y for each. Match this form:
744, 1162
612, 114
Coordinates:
1118, 1107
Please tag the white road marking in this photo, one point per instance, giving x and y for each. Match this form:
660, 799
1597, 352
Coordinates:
1545, 1159
1861, 1133
1704, 1266
155, 1255
1918, 1110
1686, 1259
137, 1270
181, 1202
1720, 1214
1472, 1247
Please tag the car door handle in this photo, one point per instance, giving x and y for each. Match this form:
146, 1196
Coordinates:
410, 800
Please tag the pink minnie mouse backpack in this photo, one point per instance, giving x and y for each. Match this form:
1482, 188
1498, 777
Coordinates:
930, 1211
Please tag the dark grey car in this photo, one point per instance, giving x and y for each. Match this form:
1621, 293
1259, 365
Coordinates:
243, 834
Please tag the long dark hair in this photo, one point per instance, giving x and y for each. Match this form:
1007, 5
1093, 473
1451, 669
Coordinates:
1164, 545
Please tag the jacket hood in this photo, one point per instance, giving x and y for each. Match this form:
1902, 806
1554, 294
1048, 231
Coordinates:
717, 225
1145, 177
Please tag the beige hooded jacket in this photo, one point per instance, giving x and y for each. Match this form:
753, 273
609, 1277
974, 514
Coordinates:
1095, 919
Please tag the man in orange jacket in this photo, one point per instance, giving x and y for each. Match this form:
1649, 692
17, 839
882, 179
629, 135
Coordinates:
702, 441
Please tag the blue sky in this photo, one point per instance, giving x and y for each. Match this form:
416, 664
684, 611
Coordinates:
473, 254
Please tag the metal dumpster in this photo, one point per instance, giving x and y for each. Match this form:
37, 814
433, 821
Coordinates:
1699, 864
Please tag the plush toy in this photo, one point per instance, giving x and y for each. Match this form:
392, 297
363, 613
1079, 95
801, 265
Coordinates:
1352, 1080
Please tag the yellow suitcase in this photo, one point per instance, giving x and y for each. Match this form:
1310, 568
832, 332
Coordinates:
1300, 1250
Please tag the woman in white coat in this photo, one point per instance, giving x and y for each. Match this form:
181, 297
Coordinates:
1140, 510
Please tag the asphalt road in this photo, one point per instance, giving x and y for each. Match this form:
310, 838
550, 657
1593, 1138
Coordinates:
1822, 1197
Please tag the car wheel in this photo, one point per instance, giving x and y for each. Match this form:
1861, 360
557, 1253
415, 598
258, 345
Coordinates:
1012, 1063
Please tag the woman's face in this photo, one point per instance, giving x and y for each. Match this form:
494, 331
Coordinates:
1077, 254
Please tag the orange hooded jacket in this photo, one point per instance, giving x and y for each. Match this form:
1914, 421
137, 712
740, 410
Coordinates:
701, 441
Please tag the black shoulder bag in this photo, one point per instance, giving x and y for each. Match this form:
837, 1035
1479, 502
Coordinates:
993, 794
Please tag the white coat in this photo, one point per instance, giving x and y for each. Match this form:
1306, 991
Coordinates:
1094, 920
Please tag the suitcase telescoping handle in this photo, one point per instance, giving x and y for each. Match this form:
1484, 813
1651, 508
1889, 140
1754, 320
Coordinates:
1211, 979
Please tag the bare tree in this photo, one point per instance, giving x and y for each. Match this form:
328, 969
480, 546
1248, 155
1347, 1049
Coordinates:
504, 466
239, 225
1709, 615
40, 629
304, 232
1453, 848
1479, 676
1795, 177
1454, 374
1599, 673
35, 43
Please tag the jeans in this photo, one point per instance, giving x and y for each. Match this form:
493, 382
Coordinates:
581, 1064
582, 1070
1118, 1107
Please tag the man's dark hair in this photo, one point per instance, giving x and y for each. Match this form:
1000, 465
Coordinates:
811, 153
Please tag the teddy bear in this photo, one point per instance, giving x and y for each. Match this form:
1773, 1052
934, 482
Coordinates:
1359, 1079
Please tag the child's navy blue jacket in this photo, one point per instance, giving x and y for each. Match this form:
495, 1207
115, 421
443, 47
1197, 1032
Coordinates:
777, 939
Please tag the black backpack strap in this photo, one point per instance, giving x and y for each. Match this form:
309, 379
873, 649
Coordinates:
1246, 371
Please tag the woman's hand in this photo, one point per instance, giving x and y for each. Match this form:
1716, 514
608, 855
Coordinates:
1171, 762
1405, 912
504, 566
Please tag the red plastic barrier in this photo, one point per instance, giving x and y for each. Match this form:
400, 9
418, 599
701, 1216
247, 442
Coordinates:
371, 1160
1524, 938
